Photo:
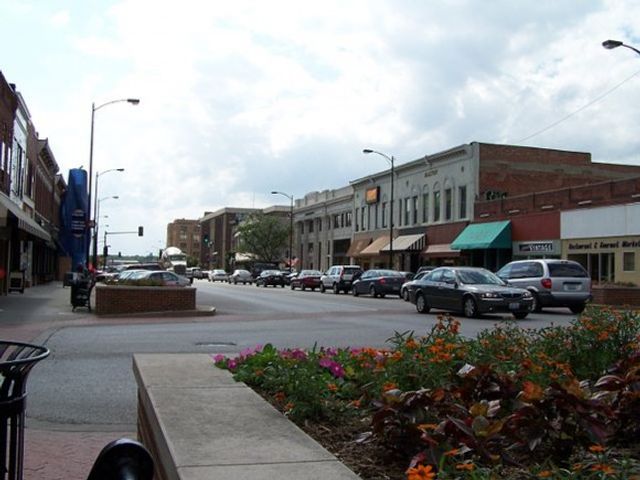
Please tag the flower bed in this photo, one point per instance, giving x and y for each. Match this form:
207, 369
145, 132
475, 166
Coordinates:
559, 402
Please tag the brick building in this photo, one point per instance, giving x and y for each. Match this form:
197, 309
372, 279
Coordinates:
186, 235
436, 198
30, 193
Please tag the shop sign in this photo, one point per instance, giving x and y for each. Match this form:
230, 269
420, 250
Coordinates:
78, 223
536, 247
603, 244
372, 195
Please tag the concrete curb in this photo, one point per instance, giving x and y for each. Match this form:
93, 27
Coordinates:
200, 311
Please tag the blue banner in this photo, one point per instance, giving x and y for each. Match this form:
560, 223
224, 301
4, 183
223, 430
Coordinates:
74, 215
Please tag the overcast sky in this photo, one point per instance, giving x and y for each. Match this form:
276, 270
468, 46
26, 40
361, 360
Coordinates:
239, 98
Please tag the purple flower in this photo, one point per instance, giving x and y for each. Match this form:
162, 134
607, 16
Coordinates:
219, 358
334, 367
232, 364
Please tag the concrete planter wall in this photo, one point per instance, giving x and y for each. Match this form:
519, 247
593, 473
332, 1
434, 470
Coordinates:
120, 299
200, 424
616, 296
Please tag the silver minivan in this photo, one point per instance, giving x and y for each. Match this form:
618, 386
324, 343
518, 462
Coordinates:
553, 283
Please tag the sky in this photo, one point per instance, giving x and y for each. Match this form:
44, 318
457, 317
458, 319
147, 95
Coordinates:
241, 98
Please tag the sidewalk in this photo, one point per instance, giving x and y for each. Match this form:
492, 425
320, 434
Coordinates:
55, 452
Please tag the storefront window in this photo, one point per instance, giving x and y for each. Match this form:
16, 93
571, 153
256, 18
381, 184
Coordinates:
601, 266
436, 206
629, 261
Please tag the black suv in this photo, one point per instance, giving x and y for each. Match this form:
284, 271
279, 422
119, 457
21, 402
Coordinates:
339, 278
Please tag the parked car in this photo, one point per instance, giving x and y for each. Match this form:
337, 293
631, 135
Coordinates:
473, 291
553, 283
378, 283
218, 275
270, 277
339, 278
404, 290
289, 276
124, 275
306, 279
162, 277
240, 276
425, 268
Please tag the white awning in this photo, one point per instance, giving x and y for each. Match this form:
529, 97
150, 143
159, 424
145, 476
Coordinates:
406, 243
25, 222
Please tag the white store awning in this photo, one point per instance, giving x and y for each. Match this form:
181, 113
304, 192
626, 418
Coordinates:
406, 243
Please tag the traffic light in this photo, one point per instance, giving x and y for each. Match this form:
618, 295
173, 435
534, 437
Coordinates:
140, 231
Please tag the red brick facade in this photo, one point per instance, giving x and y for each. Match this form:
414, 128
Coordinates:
118, 299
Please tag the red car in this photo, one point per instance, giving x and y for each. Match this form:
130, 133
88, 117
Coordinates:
306, 279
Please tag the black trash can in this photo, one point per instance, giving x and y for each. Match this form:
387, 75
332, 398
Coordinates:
16, 361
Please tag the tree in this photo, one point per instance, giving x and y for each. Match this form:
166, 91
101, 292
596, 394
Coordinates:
264, 236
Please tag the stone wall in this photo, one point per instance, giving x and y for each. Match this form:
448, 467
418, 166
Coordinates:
117, 299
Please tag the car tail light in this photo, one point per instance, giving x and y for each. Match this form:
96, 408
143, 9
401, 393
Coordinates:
546, 283
382, 280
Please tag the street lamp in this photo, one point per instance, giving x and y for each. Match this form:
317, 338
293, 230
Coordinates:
290, 197
96, 218
611, 44
132, 101
95, 238
391, 161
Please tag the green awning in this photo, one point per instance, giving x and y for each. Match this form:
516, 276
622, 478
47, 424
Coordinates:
479, 236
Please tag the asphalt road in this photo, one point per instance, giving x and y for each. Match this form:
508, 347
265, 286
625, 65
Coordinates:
87, 383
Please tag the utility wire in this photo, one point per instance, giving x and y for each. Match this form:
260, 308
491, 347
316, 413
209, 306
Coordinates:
597, 99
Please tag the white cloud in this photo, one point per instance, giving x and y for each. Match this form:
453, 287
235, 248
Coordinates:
241, 98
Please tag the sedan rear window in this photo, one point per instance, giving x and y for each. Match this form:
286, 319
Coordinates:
567, 270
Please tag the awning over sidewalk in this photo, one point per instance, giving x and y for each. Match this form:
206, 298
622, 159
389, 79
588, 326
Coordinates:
374, 248
478, 236
440, 250
357, 245
25, 222
406, 243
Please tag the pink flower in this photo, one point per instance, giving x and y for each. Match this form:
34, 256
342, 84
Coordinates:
219, 358
232, 364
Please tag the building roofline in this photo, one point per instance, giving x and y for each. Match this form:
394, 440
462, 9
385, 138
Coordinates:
222, 211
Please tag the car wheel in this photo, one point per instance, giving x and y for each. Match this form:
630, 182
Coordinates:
577, 309
354, 291
313, 289
322, 289
469, 307
535, 303
421, 304
282, 285
292, 287
405, 295
520, 315
372, 291
336, 290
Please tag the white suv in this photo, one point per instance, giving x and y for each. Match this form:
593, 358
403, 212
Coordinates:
553, 283
340, 277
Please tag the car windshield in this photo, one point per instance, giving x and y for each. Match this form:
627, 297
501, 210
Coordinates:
479, 277
389, 273
310, 272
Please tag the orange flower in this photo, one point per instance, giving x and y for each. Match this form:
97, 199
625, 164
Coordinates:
355, 404
603, 335
545, 474
421, 472
452, 452
596, 449
279, 396
427, 426
411, 344
289, 406
604, 468
531, 391
332, 387
389, 386
465, 466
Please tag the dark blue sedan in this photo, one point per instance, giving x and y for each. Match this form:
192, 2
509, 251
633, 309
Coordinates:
378, 283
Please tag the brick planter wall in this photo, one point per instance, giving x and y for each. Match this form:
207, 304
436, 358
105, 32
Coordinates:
617, 296
116, 299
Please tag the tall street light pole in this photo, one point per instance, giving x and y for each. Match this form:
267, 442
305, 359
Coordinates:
611, 44
290, 197
94, 108
96, 218
391, 161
